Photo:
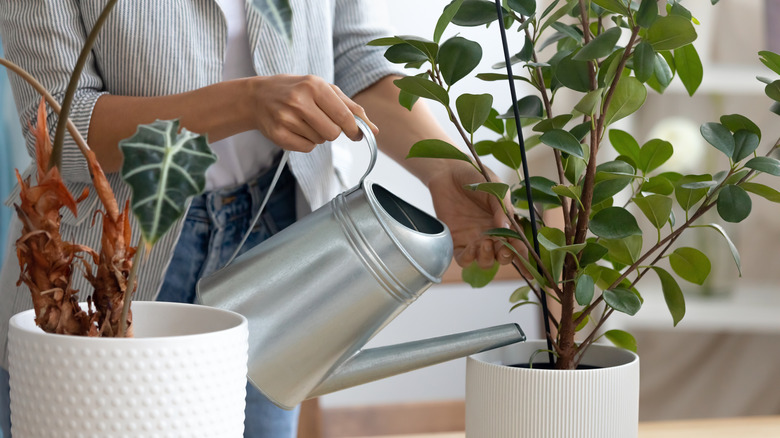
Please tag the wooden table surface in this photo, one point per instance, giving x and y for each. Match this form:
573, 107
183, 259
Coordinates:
710, 428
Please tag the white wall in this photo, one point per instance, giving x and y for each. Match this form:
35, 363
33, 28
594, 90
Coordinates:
449, 308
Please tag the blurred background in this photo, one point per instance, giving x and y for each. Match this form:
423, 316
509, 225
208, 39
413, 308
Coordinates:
723, 359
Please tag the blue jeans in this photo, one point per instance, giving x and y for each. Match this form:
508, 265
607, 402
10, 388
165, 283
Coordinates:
213, 228
215, 225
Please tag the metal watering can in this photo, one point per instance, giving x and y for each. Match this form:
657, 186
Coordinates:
318, 291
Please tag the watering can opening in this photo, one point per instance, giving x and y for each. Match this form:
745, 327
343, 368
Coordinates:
406, 214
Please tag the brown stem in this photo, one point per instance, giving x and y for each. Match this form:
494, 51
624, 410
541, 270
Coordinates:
137, 260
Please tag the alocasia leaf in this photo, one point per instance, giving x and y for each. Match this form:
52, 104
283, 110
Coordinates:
278, 14
163, 167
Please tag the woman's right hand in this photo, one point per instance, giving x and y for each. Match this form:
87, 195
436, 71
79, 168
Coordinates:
300, 112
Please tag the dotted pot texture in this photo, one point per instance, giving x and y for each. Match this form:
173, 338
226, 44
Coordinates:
182, 375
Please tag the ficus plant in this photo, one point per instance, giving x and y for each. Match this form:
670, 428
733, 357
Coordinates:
609, 54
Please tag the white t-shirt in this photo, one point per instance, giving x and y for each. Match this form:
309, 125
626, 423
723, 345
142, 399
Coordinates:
243, 155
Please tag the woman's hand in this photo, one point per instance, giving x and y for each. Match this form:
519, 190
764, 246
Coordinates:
299, 112
469, 214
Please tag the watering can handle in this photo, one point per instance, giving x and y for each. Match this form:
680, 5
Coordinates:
368, 135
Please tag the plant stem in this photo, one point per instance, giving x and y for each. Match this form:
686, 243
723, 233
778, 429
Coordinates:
59, 137
137, 260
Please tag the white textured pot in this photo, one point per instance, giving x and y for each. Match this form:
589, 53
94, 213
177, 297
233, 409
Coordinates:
510, 402
182, 375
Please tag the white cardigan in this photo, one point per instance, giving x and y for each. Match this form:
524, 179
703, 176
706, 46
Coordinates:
153, 47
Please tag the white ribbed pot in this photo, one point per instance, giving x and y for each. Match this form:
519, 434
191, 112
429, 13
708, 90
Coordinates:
510, 402
182, 375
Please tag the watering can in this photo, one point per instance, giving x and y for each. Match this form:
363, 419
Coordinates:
315, 293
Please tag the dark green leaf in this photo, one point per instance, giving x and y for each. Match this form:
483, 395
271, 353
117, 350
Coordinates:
647, 14
478, 277
734, 204
659, 185
625, 251
622, 300
732, 247
526, 8
620, 338
403, 53
580, 131
493, 123
527, 53
457, 58
509, 153
407, 100
719, 136
553, 260
435, 148
569, 30
600, 46
629, 96
690, 264
687, 198
493, 77
656, 208
573, 74
423, 88
584, 290
773, 90
736, 122
498, 190
592, 253
446, 17
473, 110
673, 295
528, 106
590, 102
662, 75
616, 6
644, 61
762, 190
475, 13
764, 164
609, 67
614, 223
604, 190
563, 141
164, 168
654, 153
745, 143
429, 48
670, 32
558, 13
689, 67
614, 170
541, 191
557, 122
568, 192
503, 232
771, 60
624, 144
278, 14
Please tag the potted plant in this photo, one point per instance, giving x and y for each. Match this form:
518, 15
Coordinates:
608, 54
183, 370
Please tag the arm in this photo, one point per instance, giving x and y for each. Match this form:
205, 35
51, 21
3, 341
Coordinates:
468, 214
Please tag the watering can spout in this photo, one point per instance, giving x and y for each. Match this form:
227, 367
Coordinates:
378, 363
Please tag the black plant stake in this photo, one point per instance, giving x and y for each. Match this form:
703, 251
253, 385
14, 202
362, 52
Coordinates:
534, 231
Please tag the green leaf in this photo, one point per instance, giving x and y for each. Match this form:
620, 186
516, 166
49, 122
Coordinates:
762, 190
689, 67
647, 14
584, 290
622, 300
629, 96
732, 247
560, 12
573, 74
606, 189
687, 198
663, 73
557, 122
590, 102
475, 13
563, 141
620, 338
553, 239
403, 52
503, 232
541, 190
473, 110
654, 153
278, 14
616, 6
736, 122
670, 32
719, 136
572, 192
446, 17
690, 264
624, 144
773, 90
407, 100
493, 123
509, 153
764, 164
520, 294
528, 107
656, 208
659, 185
457, 58
614, 223
498, 190
600, 46
434, 148
592, 253
734, 204
673, 295
625, 251
478, 277
771, 60
644, 61
745, 143
616, 169
423, 88
526, 8
164, 168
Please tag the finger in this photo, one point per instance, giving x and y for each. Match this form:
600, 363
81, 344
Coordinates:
356, 110
335, 107
293, 142
464, 255
322, 124
504, 255
485, 256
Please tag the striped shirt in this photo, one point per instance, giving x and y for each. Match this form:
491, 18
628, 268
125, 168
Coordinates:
163, 47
